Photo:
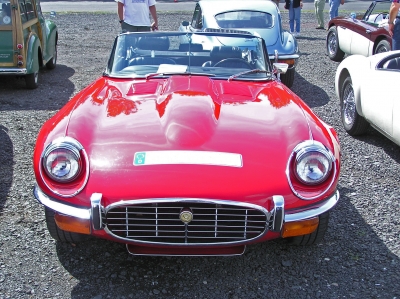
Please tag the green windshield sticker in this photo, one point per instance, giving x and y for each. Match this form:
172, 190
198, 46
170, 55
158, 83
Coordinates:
140, 158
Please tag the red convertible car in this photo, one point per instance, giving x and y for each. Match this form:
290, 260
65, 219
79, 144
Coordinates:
365, 34
177, 150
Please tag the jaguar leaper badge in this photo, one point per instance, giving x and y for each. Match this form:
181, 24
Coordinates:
186, 215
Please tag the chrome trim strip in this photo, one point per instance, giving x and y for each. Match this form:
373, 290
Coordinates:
301, 146
289, 56
326, 206
267, 213
60, 207
278, 213
13, 71
244, 249
95, 201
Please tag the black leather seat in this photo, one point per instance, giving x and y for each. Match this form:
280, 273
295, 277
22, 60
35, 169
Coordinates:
223, 52
392, 64
153, 43
150, 61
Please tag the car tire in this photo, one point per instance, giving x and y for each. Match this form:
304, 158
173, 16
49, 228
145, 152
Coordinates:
332, 45
59, 234
383, 46
316, 236
353, 123
51, 64
31, 80
288, 77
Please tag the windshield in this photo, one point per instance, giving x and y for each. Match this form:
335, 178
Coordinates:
145, 55
379, 15
245, 19
5, 12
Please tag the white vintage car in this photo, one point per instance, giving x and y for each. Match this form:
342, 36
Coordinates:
369, 95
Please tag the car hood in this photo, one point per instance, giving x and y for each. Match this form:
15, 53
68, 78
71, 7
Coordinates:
115, 119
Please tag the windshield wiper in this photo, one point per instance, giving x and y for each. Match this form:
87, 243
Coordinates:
255, 71
148, 76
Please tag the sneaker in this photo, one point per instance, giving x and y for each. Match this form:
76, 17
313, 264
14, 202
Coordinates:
319, 27
296, 34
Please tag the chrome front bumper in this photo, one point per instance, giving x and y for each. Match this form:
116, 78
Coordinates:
278, 214
13, 71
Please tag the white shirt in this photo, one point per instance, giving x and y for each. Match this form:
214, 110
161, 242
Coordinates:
136, 12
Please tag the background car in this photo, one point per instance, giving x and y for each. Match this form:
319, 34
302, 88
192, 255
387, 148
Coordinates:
360, 34
259, 17
27, 40
368, 95
172, 157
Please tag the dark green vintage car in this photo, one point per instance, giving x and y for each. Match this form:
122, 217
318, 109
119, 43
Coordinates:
27, 41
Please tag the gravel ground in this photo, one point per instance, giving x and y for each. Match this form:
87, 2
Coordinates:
359, 257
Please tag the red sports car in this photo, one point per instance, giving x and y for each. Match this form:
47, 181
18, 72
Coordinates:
177, 150
365, 34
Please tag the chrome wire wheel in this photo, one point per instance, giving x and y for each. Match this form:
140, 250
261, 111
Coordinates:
353, 122
349, 105
332, 43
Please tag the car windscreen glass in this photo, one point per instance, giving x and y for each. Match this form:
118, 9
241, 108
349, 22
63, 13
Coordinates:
245, 19
379, 14
5, 13
144, 55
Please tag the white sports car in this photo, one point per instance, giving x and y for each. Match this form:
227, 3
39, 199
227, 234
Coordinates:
369, 94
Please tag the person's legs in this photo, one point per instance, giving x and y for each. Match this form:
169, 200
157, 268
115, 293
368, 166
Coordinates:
334, 8
297, 12
396, 36
291, 18
320, 12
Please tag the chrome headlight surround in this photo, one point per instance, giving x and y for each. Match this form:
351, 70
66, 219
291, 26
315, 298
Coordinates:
64, 166
312, 165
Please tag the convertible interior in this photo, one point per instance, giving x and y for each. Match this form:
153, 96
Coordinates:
140, 55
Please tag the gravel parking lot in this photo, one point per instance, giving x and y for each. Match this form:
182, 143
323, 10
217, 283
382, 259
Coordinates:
359, 258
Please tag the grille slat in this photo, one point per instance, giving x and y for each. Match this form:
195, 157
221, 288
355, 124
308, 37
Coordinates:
212, 223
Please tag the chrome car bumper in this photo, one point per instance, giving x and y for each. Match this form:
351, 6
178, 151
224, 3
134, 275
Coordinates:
12, 71
276, 217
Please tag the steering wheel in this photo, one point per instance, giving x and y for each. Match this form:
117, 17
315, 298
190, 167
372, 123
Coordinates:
233, 62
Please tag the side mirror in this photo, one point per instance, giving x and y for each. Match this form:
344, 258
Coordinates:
185, 23
280, 68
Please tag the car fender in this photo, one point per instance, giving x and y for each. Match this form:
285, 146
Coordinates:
356, 66
33, 53
51, 39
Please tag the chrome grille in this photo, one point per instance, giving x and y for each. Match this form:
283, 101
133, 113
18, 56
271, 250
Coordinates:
213, 223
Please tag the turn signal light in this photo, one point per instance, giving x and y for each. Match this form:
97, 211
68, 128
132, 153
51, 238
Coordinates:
288, 61
20, 46
299, 228
72, 224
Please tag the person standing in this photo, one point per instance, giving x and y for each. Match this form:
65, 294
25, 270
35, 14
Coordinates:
294, 7
334, 8
319, 13
134, 15
394, 24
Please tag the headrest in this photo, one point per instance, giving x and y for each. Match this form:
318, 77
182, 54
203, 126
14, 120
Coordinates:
193, 47
153, 43
223, 52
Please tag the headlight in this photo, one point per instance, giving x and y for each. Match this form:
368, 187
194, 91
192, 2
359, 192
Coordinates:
62, 161
313, 166
311, 170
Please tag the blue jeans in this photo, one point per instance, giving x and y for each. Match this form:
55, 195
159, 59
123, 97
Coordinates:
294, 16
334, 8
396, 36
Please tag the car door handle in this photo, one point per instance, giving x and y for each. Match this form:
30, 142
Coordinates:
368, 31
